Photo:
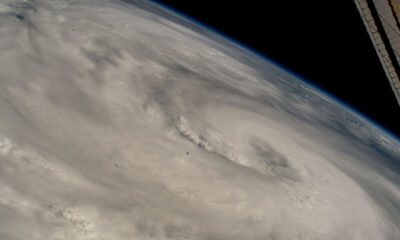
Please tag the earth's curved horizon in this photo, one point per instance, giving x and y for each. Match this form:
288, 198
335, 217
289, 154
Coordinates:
123, 120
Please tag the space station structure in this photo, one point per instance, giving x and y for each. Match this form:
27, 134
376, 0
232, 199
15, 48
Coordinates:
382, 20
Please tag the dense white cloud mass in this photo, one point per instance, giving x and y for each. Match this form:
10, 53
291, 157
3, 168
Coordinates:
120, 120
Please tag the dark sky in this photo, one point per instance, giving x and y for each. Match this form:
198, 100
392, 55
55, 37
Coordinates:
325, 42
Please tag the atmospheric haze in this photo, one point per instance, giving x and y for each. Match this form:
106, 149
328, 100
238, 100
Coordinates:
122, 120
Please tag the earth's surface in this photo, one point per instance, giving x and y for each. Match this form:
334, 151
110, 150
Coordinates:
122, 120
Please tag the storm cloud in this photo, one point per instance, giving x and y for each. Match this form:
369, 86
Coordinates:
123, 120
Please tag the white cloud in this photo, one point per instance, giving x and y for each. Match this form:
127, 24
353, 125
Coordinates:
118, 123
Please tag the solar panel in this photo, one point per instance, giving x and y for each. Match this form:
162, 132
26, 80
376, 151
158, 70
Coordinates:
382, 20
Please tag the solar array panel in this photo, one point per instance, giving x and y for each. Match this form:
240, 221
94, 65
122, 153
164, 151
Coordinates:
382, 20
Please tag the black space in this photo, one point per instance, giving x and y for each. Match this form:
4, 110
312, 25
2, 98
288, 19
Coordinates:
325, 42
